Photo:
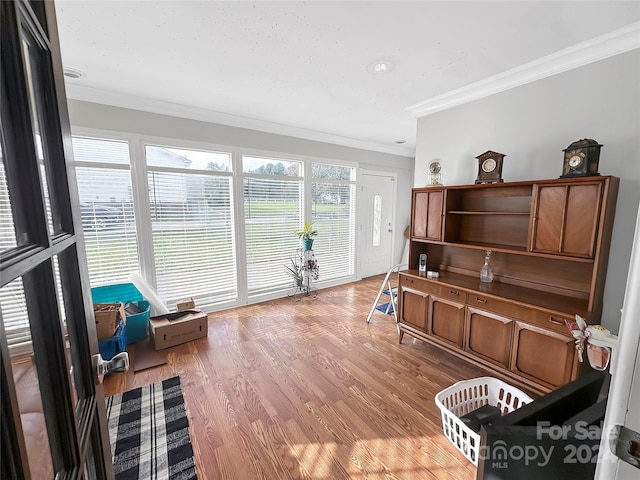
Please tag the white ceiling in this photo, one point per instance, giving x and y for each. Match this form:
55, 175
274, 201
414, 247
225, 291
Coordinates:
300, 68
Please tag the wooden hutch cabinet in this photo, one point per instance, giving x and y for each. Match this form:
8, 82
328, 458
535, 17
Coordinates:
550, 247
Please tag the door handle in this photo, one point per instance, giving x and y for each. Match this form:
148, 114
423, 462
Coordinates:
119, 363
625, 444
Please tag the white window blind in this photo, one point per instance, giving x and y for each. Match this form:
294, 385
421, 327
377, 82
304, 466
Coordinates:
273, 209
191, 200
334, 218
106, 206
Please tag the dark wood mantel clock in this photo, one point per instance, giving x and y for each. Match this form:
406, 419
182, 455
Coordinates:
490, 167
581, 159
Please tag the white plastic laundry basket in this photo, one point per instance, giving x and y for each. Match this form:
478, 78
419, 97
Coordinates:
465, 397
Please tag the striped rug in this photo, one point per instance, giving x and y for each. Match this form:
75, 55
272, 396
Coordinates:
149, 433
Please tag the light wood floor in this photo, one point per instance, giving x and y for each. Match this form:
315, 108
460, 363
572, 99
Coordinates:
308, 390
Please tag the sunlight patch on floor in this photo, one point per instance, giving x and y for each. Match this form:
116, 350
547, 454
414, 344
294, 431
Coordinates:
378, 457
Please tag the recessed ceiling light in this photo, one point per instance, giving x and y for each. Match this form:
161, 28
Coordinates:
380, 66
400, 142
72, 73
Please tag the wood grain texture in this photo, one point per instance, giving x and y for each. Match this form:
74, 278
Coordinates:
308, 390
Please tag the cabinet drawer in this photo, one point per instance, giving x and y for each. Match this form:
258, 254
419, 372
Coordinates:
432, 288
450, 293
545, 319
550, 321
478, 300
414, 283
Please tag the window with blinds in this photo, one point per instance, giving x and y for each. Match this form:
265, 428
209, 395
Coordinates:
106, 208
333, 209
191, 202
273, 209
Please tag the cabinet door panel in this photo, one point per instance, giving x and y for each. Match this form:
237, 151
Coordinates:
549, 215
427, 214
414, 308
434, 217
446, 321
543, 355
583, 205
420, 212
566, 219
489, 336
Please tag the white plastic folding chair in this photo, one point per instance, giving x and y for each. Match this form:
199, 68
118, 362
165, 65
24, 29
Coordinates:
387, 289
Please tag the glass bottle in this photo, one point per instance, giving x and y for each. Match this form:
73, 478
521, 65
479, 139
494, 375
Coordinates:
486, 272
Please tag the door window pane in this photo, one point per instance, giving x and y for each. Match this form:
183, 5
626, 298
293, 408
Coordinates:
7, 230
32, 56
15, 317
68, 345
25, 377
377, 219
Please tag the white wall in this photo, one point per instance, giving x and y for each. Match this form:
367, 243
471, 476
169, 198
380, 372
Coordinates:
108, 118
533, 123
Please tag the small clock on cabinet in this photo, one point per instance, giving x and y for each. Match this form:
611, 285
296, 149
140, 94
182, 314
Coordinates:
490, 167
581, 159
434, 174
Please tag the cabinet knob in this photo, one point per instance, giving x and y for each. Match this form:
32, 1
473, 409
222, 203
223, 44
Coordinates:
481, 300
454, 292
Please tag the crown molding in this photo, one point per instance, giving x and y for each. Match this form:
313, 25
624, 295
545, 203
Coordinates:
115, 99
614, 43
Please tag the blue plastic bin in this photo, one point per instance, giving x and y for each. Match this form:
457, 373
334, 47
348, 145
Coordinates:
112, 346
137, 325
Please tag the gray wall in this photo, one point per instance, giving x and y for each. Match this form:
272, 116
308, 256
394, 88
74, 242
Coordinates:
108, 118
533, 123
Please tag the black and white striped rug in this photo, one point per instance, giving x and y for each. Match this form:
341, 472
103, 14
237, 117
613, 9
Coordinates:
149, 433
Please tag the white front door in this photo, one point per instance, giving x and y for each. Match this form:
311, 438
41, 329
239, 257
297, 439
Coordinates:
377, 205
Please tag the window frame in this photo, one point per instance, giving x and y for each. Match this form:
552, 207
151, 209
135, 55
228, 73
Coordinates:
150, 257
353, 183
139, 175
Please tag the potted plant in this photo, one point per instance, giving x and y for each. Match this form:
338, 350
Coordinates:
295, 272
310, 267
305, 235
